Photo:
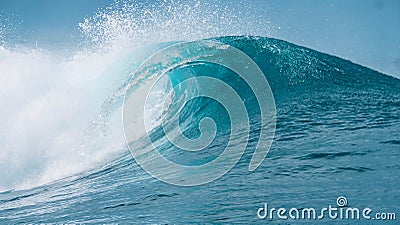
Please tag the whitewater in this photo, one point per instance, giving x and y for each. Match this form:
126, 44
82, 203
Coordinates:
64, 157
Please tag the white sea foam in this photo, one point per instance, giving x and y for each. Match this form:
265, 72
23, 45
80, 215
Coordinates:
48, 100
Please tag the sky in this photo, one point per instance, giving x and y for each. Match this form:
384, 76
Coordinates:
363, 31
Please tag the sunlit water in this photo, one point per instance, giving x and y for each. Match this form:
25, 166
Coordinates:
337, 133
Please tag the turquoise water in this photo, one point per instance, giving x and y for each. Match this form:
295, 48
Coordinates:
337, 135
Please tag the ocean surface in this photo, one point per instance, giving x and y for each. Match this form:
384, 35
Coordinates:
337, 134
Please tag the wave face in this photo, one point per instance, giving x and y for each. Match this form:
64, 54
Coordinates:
336, 135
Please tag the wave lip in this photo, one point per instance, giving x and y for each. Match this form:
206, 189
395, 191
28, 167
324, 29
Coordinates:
189, 55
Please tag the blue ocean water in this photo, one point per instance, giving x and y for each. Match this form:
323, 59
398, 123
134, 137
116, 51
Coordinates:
337, 135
